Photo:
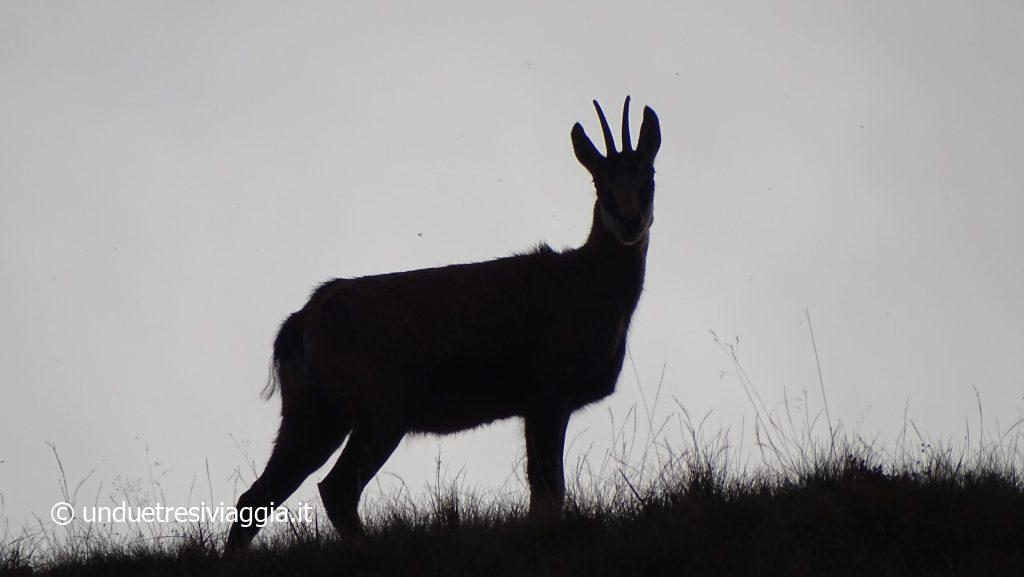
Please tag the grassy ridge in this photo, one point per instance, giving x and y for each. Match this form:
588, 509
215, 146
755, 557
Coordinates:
820, 501
843, 516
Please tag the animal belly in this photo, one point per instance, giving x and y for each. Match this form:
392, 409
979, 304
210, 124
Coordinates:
456, 413
456, 404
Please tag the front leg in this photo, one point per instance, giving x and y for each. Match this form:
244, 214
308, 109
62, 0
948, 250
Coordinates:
545, 441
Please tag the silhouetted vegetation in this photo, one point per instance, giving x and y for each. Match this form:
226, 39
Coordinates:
819, 501
843, 515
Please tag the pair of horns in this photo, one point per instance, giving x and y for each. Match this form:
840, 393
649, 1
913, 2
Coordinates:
609, 141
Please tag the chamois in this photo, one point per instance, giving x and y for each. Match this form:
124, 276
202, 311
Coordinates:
535, 335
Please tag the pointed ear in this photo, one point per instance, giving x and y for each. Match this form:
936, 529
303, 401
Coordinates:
650, 135
585, 150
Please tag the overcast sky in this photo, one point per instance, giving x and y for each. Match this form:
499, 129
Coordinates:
175, 178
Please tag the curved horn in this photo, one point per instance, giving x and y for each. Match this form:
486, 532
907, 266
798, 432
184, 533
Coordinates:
626, 144
609, 143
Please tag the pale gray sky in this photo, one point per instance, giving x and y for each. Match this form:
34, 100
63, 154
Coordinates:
175, 177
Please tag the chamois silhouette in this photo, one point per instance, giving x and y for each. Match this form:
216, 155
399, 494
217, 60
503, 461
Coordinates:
535, 335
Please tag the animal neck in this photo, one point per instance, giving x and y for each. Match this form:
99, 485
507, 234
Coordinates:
620, 267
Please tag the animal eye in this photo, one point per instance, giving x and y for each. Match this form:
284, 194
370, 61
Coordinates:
647, 197
608, 200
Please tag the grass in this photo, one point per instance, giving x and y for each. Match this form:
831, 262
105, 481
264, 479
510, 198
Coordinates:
818, 500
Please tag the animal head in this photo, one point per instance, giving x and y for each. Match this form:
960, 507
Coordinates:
624, 180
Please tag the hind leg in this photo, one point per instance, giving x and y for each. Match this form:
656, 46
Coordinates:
367, 449
307, 437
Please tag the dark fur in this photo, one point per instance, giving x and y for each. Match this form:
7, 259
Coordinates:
535, 335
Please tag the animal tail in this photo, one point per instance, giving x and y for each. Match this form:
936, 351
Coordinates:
287, 353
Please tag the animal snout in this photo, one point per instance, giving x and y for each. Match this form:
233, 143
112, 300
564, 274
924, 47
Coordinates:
633, 224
